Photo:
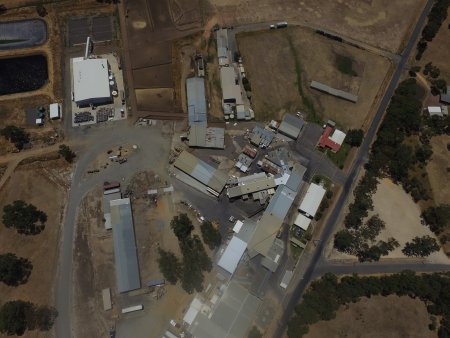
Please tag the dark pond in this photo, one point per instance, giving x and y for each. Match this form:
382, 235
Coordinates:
22, 74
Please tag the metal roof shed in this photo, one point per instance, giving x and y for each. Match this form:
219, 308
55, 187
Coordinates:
91, 81
291, 126
125, 252
232, 255
196, 100
55, 111
312, 200
302, 222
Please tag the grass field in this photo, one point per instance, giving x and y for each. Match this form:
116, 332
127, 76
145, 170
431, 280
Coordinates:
292, 58
339, 157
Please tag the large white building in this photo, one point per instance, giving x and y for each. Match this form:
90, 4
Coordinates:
312, 200
91, 83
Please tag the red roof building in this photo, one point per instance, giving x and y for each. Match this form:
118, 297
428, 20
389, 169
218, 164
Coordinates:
330, 139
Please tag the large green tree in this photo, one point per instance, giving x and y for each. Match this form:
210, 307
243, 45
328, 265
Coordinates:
169, 265
14, 270
421, 246
182, 226
25, 218
354, 137
211, 236
13, 317
15, 135
437, 218
66, 152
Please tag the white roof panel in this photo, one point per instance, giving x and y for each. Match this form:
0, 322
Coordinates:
90, 79
237, 227
433, 109
338, 137
312, 199
232, 254
54, 110
302, 222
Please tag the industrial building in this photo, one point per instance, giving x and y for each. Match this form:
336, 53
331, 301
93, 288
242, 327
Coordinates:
113, 194
196, 101
231, 89
302, 222
244, 162
201, 136
335, 92
55, 111
251, 184
125, 251
311, 202
232, 255
222, 47
91, 82
212, 178
272, 259
445, 97
274, 215
261, 137
279, 157
291, 126
332, 138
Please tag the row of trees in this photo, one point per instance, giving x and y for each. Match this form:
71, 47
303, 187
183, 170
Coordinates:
18, 316
15, 135
189, 270
23, 217
326, 295
437, 16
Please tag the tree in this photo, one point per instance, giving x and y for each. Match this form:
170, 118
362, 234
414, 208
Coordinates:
372, 228
195, 261
211, 236
41, 10
66, 152
3, 9
344, 241
254, 333
181, 226
169, 265
421, 247
354, 137
24, 218
15, 135
14, 270
13, 317
437, 218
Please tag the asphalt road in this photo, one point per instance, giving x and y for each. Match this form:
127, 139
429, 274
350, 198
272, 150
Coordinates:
152, 148
294, 298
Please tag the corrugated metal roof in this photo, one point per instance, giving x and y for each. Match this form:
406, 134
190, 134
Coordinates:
249, 187
272, 260
232, 255
203, 137
302, 222
296, 177
338, 137
312, 199
90, 79
281, 202
291, 126
125, 252
335, 92
196, 100
201, 171
107, 208
230, 90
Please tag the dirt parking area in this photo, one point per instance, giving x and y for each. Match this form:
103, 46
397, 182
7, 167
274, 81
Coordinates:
387, 317
45, 185
438, 169
383, 23
274, 60
402, 217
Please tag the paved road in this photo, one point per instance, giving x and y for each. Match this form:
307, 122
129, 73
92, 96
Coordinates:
294, 298
152, 148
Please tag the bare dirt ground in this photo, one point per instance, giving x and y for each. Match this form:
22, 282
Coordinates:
402, 217
437, 169
382, 23
275, 89
44, 184
437, 51
387, 317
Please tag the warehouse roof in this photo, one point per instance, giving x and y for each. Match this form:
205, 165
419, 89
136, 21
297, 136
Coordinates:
55, 110
261, 137
232, 254
206, 137
107, 208
90, 79
222, 46
335, 92
312, 200
196, 100
251, 186
291, 126
125, 254
302, 222
231, 90
201, 171
272, 259
296, 177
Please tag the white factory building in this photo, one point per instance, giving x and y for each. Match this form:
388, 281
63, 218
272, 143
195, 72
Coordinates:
91, 82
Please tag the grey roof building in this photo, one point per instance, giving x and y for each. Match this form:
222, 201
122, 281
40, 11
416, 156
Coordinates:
196, 101
107, 207
291, 126
261, 137
335, 92
125, 252
201, 171
445, 98
231, 90
279, 157
272, 260
206, 137
249, 187
222, 47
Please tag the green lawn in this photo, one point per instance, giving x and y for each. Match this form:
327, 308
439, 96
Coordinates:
339, 157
